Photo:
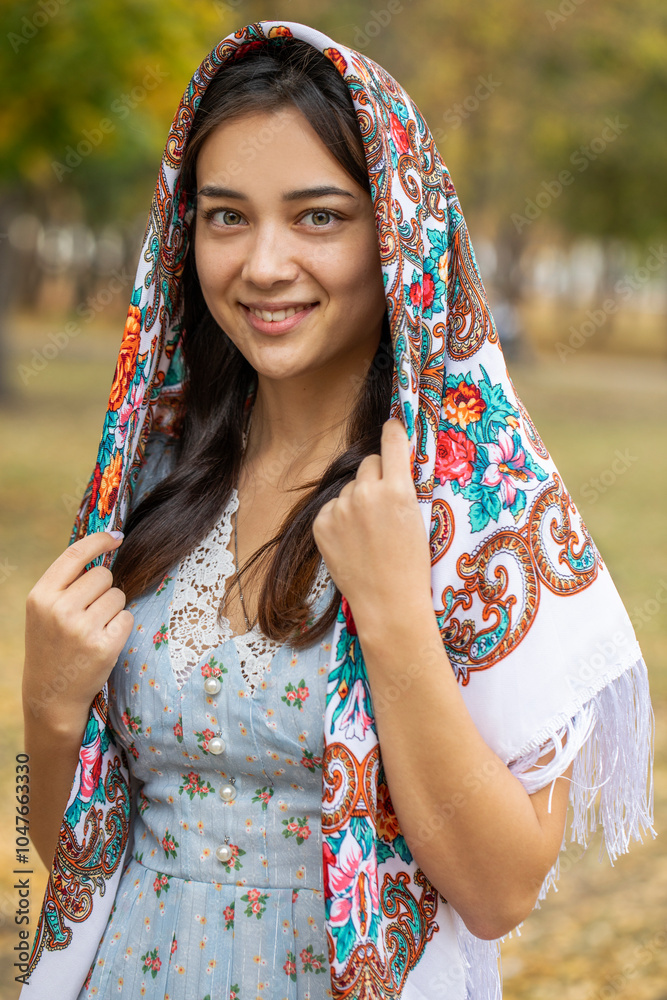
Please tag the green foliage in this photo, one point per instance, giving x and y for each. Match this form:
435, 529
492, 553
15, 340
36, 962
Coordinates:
112, 72
512, 90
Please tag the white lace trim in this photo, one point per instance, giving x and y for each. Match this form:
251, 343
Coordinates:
195, 626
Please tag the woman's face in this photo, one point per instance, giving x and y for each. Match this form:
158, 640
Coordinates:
286, 250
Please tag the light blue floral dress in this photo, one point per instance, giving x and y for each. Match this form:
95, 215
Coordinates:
223, 894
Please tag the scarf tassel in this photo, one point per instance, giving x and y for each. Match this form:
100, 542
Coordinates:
611, 739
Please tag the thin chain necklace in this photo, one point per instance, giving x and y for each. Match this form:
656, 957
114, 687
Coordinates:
249, 627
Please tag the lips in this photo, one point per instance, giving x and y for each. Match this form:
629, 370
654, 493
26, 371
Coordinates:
279, 318
277, 313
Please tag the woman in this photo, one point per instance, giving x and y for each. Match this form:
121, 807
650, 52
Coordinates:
310, 384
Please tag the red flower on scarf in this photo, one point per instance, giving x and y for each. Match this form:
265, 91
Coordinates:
454, 457
127, 358
349, 620
415, 293
398, 134
429, 290
464, 404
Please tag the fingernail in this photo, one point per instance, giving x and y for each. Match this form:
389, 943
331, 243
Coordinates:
116, 534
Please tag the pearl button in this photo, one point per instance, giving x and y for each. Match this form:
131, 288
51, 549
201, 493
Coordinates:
227, 793
212, 685
223, 853
216, 745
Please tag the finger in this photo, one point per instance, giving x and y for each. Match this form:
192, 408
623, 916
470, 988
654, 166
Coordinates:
120, 628
106, 607
346, 490
87, 588
395, 446
71, 563
370, 469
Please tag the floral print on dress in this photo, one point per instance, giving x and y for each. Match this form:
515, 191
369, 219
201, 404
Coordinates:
312, 962
204, 736
289, 967
235, 860
152, 962
228, 914
264, 796
192, 785
212, 668
161, 637
183, 912
161, 884
169, 845
256, 900
296, 696
297, 828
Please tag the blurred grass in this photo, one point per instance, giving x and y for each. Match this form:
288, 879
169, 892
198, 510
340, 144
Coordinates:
605, 930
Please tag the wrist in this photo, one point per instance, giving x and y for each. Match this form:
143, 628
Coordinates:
399, 621
47, 720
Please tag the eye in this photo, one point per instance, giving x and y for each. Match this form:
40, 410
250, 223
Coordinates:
321, 217
227, 216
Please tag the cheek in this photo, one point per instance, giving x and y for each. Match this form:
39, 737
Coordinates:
357, 274
214, 268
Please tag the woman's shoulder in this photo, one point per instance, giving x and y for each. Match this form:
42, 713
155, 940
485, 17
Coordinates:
159, 460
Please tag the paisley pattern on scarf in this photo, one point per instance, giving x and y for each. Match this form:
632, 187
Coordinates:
83, 866
508, 549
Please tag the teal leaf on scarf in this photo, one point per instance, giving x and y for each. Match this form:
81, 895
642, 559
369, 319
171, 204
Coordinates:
402, 849
175, 372
533, 467
498, 407
335, 841
135, 298
346, 939
374, 927
487, 507
519, 505
383, 851
409, 418
360, 829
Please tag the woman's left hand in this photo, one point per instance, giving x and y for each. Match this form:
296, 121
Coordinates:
372, 536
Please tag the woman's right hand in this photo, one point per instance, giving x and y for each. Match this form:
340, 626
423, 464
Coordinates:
76, 627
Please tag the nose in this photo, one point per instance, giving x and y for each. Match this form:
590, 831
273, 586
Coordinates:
268, 259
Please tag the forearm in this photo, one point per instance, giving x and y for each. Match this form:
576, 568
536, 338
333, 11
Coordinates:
52, 744
467, 820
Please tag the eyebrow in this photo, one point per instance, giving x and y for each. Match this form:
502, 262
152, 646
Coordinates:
323, 190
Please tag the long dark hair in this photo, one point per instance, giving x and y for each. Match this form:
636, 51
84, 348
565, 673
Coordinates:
183, 508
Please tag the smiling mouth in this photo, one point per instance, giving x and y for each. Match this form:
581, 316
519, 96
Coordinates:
275, 316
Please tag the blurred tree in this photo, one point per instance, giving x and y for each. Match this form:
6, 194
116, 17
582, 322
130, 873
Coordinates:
93, 90
518, 94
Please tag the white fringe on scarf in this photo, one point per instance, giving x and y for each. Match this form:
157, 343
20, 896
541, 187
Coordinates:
611, 742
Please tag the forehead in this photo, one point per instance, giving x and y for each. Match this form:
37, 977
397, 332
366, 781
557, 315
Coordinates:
264, 147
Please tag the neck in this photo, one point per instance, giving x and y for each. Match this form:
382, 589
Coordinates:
299, 425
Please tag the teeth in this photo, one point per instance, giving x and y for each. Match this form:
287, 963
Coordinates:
278, 315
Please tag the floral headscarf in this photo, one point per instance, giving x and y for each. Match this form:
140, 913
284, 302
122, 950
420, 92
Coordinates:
535, 631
